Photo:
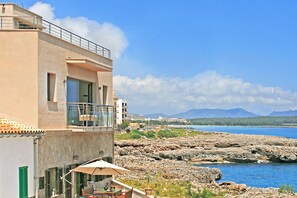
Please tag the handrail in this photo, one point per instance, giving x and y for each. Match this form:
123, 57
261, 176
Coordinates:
55, 31
64, 34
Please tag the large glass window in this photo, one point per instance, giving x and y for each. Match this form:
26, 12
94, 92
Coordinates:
79, 91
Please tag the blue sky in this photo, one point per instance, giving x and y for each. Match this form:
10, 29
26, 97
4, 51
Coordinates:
234, 53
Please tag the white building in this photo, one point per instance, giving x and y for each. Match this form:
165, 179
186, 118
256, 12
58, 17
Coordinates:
18, 165
121, 111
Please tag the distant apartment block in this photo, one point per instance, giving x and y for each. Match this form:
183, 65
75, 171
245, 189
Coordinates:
60, 85
121, 111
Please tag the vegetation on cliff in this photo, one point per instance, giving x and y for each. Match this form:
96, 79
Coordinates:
175, 188
163, 133
287, 121
253, 121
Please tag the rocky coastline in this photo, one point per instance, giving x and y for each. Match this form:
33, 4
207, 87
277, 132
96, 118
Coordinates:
174, 158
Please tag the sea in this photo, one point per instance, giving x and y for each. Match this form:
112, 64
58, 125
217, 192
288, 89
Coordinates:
256, 175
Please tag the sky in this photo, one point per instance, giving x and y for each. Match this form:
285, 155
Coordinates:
172, 55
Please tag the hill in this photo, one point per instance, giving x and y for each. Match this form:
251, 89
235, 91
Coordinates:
215, 113
284, 113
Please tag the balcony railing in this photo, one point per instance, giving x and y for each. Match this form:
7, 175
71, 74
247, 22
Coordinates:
89, 116
66, 35
28, 22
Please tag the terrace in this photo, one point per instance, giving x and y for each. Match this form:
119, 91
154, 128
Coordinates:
23, 20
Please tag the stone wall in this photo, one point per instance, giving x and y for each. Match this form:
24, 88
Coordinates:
63, 148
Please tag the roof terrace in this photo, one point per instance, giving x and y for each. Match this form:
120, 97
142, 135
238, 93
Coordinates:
13, 17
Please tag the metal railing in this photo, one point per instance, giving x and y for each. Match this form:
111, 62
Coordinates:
9, 22
66, 35
89, 115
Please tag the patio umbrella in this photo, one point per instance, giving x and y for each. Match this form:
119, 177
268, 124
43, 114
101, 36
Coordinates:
101, 168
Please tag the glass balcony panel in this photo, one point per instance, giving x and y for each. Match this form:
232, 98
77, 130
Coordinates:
89, 115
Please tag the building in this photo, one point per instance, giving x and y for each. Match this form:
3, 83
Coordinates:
121, 111
56, 82
16, 140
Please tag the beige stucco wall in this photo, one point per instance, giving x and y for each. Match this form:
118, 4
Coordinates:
105, 79
19, 76
52, 59
27, 56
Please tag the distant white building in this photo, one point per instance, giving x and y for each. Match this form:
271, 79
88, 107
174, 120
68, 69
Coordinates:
121, 111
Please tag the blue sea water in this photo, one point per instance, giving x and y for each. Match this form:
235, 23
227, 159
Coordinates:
273, 131
257, 175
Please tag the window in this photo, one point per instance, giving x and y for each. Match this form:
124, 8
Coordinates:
41, 183
24, 26
105, 94
51, 87
53, 181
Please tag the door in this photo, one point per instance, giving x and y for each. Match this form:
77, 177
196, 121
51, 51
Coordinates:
23, 182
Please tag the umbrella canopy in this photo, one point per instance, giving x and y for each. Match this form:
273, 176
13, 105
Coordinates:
101, 168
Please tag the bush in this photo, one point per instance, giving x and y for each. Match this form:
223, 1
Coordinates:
205, 193
135, 136
161, 187
286, 189
150, 134
166, 134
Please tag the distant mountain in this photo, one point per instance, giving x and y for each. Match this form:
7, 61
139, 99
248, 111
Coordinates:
284, 113
206, 113
156, 115
215, 113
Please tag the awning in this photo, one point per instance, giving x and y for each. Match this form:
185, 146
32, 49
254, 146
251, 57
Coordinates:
89, 64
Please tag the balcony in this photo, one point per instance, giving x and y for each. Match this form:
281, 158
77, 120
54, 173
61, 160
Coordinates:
89, 117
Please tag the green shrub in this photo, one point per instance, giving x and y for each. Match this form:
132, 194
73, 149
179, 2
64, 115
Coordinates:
137, 132
166, 134
135, 136
150, 134
205, 193
286, 189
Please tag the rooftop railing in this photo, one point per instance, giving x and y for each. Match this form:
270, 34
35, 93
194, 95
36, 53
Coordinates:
66, 35
8, 22
89, 116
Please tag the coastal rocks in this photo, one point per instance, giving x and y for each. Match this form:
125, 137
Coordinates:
169, 169
213, 147
277, 153
175, 158
233, 186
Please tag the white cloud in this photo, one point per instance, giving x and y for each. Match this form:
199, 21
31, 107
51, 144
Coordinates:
206, 90
105, 34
